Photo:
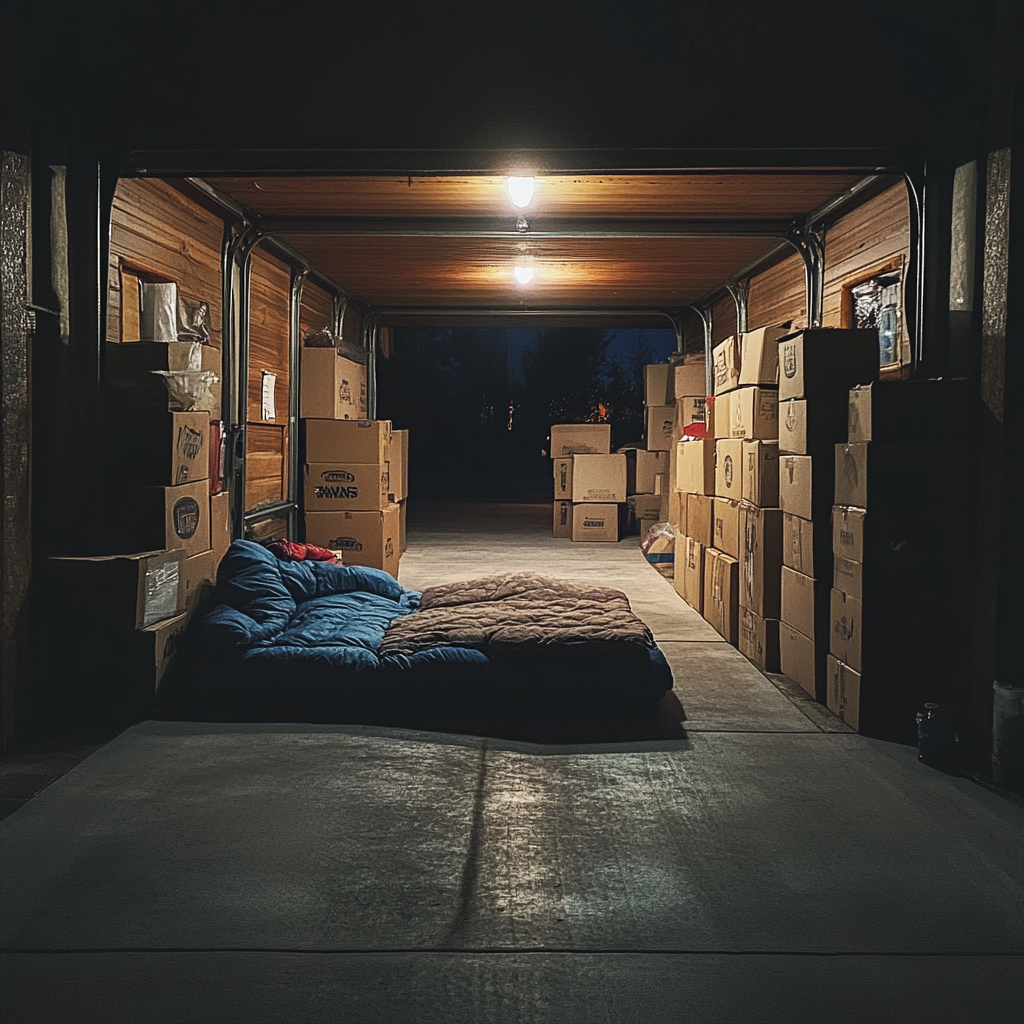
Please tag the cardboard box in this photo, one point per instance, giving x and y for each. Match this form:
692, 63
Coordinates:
563, 519
198, 577
147, 518
131, 383
843, 692
660, 421
804, 549
805, 604
760, 484
727, 526
569, 439
822, 362
360, 441
759, 640
729, 469
754, 412
403, 508
906, 411
675, 512
595, 522
645, 506
689, 380
121, 592
642, 467
398, 465
600, 478
760, 532
691, 557
220, 526
721, 594
689, 413
160, 643
848, 576
661, 483
726, 365
700, 519
900, 478
811, 426
846, 629
759, 355
331, 387
563, 479
337, 487
806, 485
800, 660
656, 384
719, 421
366, 538
646, 523
695, 466
157, 449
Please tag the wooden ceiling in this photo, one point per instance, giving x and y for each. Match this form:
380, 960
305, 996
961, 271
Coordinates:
395, 242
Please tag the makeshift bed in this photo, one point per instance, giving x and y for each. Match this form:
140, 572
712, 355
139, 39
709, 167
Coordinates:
301, 638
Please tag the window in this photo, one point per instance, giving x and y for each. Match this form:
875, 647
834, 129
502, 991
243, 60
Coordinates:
875, 304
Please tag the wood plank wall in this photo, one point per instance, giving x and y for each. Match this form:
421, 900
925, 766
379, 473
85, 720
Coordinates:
723, 320
316, 311
157, 231
778, 294
266, 467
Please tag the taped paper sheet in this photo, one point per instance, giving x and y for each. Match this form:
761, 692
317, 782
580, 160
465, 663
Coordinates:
269, 387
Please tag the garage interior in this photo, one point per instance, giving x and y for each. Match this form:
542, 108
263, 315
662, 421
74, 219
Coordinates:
742, 854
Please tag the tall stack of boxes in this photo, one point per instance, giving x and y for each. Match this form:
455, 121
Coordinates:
355, 470
817, 369
590, 483
900, 495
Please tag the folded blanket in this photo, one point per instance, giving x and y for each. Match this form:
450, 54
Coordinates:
519, 613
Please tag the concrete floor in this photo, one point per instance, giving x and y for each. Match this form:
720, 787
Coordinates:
761, 863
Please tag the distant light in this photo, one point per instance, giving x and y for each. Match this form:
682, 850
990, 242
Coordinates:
524, 275
520, 191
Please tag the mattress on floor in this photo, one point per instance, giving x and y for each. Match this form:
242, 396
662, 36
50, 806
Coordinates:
296, 638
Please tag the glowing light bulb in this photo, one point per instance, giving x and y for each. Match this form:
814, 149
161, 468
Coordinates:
524, 275
520, 191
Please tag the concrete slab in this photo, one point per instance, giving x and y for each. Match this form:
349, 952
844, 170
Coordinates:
497, 988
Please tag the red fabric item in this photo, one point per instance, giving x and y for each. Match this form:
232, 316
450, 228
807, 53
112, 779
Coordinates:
293, 551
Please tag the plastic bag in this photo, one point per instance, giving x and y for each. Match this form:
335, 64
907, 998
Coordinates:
320, 339
659, 548
189, 389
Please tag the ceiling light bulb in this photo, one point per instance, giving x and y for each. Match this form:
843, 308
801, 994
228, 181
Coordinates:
520, 191
524, 275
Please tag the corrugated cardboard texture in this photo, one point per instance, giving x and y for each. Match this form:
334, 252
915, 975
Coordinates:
729, 469
695, 466
721, 594
580, 439
689, 381
759, 640
693, 563
599, 478
700, 519
844, 692
366, 538
761, 560
727, 526
906, 411
220, 526
331, 386
759, 355
726, 365
798, 658
562, 526
760, 484
754, 412
360, 441
595, 522
656, 383
820, 362
563, 479
660, 422
338, 486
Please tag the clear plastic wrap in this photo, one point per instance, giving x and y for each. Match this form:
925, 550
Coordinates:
161, 592
189, 389
659, 548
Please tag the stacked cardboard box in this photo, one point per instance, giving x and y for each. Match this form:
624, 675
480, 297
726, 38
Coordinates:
590, 483
348, 492
817, 369
899, 496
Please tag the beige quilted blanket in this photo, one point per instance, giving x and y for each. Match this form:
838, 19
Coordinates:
518, 611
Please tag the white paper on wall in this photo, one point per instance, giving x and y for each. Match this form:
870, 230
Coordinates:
269, 387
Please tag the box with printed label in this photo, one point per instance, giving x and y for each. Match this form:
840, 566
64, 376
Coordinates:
729, 469
690, 559
727, 526
569, 439
700, 519
760, 484
656, 383
157, 449
147, 518
761, 560
595, 522
906, 411
754, 412
846, 629
338, 487
365, 538
695, 466
359, 441
759, 640
562, 526
806, 484
811, 426
726, 365
600, 478
689, 381
759, 355
721, 594
660, 420
848, 576
563, 479
803, 549
331, 387
822, 362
